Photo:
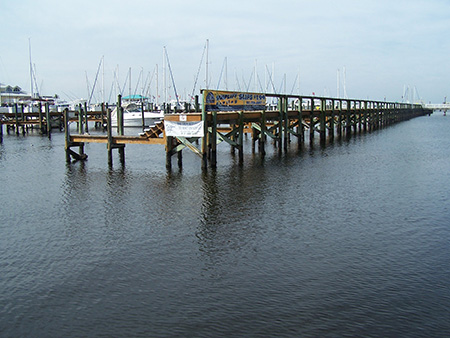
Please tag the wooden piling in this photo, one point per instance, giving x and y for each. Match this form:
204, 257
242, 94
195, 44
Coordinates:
41, 125
142, 114
262, 137
48, 118
332, 121
23, 118
109, 145
80, 119
311, 122
214, 140
241, 137
205, 135
322, 120
86, 120
17, 118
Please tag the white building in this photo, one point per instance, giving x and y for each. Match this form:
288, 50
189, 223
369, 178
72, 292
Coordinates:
10, 95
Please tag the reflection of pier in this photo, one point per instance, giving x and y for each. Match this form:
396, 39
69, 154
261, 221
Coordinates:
293, 116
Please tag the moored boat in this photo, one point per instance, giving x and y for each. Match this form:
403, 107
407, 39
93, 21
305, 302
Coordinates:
132, 116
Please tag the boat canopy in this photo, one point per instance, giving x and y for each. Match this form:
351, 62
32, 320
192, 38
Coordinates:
134, 97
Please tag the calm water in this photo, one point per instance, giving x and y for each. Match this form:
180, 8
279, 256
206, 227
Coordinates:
348, 240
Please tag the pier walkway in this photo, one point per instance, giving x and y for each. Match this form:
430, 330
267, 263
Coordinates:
227, 116
438, 107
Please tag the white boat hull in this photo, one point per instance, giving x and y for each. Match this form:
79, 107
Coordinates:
134, 119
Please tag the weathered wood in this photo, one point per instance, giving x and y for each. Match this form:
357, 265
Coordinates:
327, 115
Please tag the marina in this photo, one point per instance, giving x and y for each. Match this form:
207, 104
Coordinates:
239, 169
350, 239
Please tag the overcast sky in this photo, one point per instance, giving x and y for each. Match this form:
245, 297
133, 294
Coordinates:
384, 48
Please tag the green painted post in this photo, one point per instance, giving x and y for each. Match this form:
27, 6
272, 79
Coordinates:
67, 134
332, 117
48, 118
348, 125
365, 115
284, 123
373, 107
262, 139
105, 125
40, 118
322, 120
142, 114
300, 129
86, 120
241, 137
109, 133
196, 104
121, 148
311, 123
284, 106
118, 115
205, 132
280, 124
359, 115
102, 114
339, 118
80, 119
169, 149
214, 140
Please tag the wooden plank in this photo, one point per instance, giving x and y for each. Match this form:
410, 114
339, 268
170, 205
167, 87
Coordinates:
116, 139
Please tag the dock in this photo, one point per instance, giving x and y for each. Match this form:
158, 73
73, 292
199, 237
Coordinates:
227, 116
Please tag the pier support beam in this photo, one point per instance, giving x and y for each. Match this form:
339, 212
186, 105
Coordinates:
68, 143
214, 140
311, 123
205, 135
48, 118
348, 120
241, 137
322, 121
262, 137
300, 127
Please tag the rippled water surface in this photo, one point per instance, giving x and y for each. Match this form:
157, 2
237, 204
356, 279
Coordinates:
348, 240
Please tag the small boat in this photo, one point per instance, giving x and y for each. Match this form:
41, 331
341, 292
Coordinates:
132, 116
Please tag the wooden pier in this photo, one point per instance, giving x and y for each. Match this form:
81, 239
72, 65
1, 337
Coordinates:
46, 120
292, 116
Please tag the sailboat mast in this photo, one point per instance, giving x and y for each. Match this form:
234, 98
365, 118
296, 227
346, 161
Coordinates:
345, 85
226, 73
103, 79
256, 76
157, 86
207, 52
164, 75
129, 84
31, 69
338, 89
